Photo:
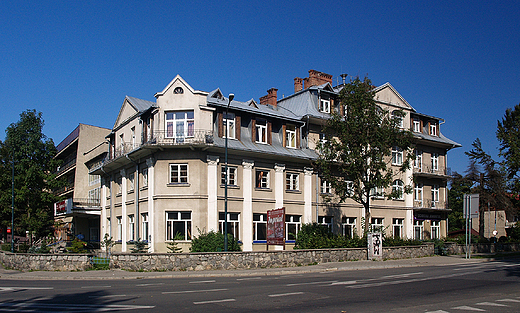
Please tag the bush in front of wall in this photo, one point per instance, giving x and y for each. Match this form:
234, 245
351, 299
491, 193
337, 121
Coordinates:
213, 242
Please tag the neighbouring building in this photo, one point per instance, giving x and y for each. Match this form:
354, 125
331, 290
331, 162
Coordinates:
78, 214
163, 177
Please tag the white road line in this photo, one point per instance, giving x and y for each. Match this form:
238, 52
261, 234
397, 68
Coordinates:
108, 296
202, 281
285, 294
145, 285
193, 291
351, 282
90, 287
312, 283
402, 275
74, 307
468, 308
25, 288
249, 278
509, 300
214, 301
491, 304
438, 311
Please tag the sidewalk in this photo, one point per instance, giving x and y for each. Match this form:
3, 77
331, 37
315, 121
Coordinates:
333, 266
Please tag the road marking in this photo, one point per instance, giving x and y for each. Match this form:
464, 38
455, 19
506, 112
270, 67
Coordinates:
108, 296
214, 301
25, 288
438, 311
312, 283
285, 294
202, 281
509, 300
192, 291
351, 282
491, 304
90, 287
468, 308
402, 275
145, 285
249, 278
16, 306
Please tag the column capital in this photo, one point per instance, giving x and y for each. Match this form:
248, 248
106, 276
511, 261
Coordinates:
122, 172
308, 171
149, 162
248, 164
212, 159
279, 167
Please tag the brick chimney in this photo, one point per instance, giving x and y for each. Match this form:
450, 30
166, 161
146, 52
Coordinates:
317, 78
298, 84
271, 97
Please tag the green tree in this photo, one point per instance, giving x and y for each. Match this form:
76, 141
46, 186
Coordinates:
508, 134
355, 159
33, 156
459, 185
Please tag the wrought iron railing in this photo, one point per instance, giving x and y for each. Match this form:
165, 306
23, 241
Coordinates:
89, 202
429, 204
197, 136
429, 169
62, 168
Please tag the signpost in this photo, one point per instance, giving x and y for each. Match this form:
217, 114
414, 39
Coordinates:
276, 227
471, 210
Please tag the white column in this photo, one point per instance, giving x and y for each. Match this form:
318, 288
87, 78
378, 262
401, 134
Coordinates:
278, 184
124, 218
151, 212
212, 193
247, 209
103, 217
307, 195
408, 202
408, 227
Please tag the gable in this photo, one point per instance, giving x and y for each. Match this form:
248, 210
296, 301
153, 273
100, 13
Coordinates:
126, 112
386, 94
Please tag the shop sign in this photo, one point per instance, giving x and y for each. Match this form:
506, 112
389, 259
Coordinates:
63, 207
276, 227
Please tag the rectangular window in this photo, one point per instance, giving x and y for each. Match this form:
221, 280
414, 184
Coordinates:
179, 125
325, 105
232, 175
435, 196
418, 227
418, 195
178, 225
397, 156
233, 224
325, 187
435, 161
292, 181
433, 129
144, 173
436, 230
94, 195
397, 227
290, 136
377, 224
119, 228
132, 132
131, 227
327, 221
259, 227
399, 119
293, 224
144, 226
94, 179
348, 224
130, 182
109, 227
178, 173
229, 123
262, 179
377, 193
261, 131
323, 139
417, 126
417, 162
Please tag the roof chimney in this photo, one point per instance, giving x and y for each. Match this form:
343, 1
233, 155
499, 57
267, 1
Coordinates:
317, 78
298, 84
270, 98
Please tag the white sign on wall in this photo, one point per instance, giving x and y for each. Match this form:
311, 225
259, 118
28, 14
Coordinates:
375, 245
471, 205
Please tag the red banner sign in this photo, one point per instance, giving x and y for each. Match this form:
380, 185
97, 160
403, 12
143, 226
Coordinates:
276, 227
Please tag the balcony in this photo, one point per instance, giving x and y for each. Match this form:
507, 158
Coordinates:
195, 137
64, 167
429, 170
86, 202
429, 204
64, 189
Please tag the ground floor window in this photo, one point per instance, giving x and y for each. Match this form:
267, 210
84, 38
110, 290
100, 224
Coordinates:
397, 227
348, 224
418, 227
259, 227
144, 224
327, 221
293, 224
119, 228
178, 225
131, 227
233, 226
377, 224
436, 229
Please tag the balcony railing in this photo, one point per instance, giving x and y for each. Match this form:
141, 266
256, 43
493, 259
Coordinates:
86, 202
429, 169
429, 204
65, 166
64, 189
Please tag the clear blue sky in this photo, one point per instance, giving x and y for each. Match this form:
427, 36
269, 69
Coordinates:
75, 61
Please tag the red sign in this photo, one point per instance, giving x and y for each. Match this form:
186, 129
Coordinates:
276, 227
61, 207
8, 230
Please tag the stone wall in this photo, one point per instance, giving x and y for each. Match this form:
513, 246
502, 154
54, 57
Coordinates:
205, 261
454, 248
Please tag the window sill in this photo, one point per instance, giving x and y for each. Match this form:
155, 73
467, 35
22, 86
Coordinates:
263, 143
263, 189
178, 185
130, 191
230, 186
143, 188
293, 191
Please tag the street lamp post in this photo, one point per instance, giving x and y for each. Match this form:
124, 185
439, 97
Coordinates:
231, 96
12, 204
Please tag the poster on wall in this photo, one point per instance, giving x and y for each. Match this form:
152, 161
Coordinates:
375, 246
276, 227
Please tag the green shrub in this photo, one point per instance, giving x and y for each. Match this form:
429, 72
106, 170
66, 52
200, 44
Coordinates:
78, 246
172, 245
6, 247
139, 246
398, 241
213, 242
316, 236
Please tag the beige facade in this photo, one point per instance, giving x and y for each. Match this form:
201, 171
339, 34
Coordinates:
164, 175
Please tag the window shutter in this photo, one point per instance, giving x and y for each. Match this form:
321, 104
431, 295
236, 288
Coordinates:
237, 127
284, 135
269, 135
297, 137
220, 125
253, 130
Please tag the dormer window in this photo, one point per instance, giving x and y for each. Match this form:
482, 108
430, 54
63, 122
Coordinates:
290, 136
417, 126
398, 118
324, 105
229, 123
433, 129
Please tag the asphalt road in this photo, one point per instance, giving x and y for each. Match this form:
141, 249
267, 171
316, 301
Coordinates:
478, 287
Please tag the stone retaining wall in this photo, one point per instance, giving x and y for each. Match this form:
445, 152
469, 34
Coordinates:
205, 261
454, 248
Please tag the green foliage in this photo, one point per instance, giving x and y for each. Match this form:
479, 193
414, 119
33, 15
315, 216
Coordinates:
398, 241
33, 154
460, 185
107, 243
139, 246
77, 246
316, 236
360, 137
172, 246
6, 247
213, 242
514, 232
508, 134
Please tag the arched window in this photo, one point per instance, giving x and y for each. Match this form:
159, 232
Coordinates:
398, 188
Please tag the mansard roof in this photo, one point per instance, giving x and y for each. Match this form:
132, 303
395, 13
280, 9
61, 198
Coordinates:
131, 108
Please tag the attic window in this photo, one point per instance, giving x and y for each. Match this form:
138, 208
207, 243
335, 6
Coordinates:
178, 91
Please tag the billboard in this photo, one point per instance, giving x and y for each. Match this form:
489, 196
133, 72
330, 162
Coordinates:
276, 227
63, 207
